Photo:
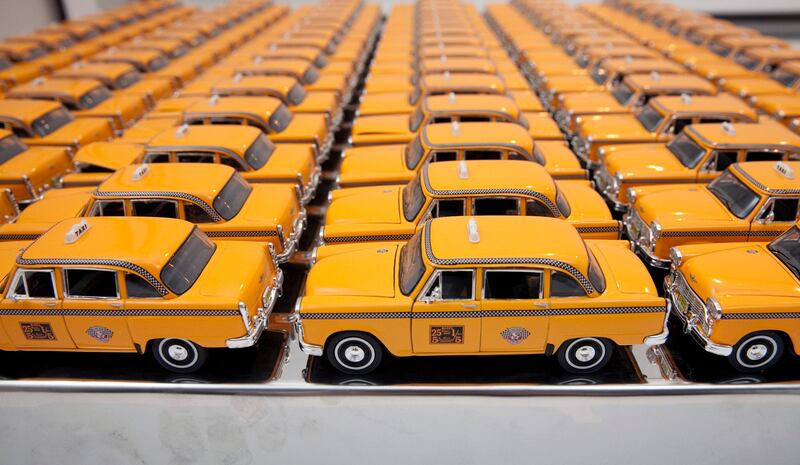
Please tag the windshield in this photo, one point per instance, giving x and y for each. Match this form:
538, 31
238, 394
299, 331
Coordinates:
311, 75
413, 198
156, 64
747, 61
296, 94
599, 74
732, 192
414, 152
10, 147
720, 49
686, 150
258, 153
412, 267
622, 93
128, 79
415, 95
280, 119
416, 119
787, 248
538, 156
185, 266
93, 98
650, 118
51, 121
786, 78
232, 197
562, 204
596, 276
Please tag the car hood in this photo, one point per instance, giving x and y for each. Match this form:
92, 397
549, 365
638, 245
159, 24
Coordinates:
381, 129
370, 205
385, 104
647, 161
353, 270
612, 128
690, 206
592, 102
374, 165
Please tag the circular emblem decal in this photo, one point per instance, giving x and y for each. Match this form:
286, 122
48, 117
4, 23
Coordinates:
515, 335
100, 333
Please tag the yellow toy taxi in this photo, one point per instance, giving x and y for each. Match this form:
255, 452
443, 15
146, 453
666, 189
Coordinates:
398, 164
85, 98
27, 172
659, 120
464, 188
765, 58
700, 153
782, 107
89, 286
748, 87
48, 123
120, 77
479, 286
268, 114
242, 147
216, 198
95, 162
753, 201
749, 318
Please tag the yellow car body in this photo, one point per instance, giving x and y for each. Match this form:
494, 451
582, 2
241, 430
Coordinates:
95, 162
391, 295
697, 155
123, 78
788, 74
91, 286
765, 59
782, 107
755, 202
27, 172
215, 198
749, 87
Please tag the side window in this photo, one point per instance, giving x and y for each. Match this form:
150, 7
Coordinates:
443, 156
440, 119
495, 206
474, 119
482, 155
108, 208
452, 285
517, 156
230, 161
763, 156
563, 285
536, 208
159, 208
722, 160
19, 132
195, 157
156, 157
512, 284
225, 120
195, 214
712, 120
80, 283
681, 123
139, 288
780, 210
442, 208
35, 284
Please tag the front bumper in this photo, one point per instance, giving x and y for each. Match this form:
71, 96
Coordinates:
582, 150
660, 338
605, 184
690, 326
290, 243
308, 349
643, 250
260, 321
310, 189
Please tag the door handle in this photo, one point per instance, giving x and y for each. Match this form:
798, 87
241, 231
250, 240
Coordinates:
469, 306
50, 304
541, 304
116, 304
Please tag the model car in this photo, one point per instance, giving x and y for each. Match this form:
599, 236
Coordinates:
749, 318
479, 286
699, 154
120, 77
753, 202
91, 286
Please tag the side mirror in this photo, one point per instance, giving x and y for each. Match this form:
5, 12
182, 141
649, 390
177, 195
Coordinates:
767, 219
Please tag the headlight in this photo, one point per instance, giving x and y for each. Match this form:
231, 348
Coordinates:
631, 192
675, 256
714, 309
601, 153
655, 226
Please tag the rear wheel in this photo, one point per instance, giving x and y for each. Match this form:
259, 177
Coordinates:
179, 355
756, 352
584, 355
354, 353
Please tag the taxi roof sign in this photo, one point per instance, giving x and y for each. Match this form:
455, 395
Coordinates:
140, 172
472, 231
76, 232
785, 170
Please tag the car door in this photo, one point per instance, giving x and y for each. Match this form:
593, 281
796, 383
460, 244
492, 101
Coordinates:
515, 312
446, 314
93, 309
31, 311
776, 216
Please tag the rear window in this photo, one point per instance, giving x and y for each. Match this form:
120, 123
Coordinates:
258, 154
623, 93
414, 153
93, 98
232, 197
10, 147
650, 118
280, 119
311, 75
128, 79
157, 64
51, 122
297, 94
596, 276
188, 262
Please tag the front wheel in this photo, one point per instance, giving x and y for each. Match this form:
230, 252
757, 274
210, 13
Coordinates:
584, 355
756, 352
354, 353
179, 355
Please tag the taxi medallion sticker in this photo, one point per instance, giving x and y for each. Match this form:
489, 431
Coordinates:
100, 333
515, 335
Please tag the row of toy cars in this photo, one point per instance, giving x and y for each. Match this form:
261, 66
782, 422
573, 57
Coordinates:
726, 175
460, 241
193, 264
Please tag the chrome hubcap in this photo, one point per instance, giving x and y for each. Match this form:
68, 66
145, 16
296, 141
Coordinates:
177, 352
585, 353
354, 354
757, 352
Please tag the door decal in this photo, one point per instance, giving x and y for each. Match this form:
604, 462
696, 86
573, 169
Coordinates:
38, 331
447, 334
515, 334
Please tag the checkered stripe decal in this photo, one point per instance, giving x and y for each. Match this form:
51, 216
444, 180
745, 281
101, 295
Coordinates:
18, 237
763, 187
181, 195
760, 316
385, 237
125, 312
538, 195
102, 262
506, 261
718, 233
241, 233
485, 313
597, 229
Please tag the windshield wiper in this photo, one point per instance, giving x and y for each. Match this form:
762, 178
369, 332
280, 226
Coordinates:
786, 259
722, 199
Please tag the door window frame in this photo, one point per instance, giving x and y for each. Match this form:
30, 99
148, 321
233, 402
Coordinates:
65, 284
434, 278
10, 294
540, 272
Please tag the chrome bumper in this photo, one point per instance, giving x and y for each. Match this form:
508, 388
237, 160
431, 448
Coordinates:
260, 321
660, 338
290, 243
308, 349
310, 189
581, 150
644, 251
691, 327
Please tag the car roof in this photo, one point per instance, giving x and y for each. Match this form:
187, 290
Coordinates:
109, 70
262, 106
478, 176
200, 180
653, 81
721, 104
139, 54
73, 88
464, 135
789, 104
27, 109
506, 239
467, 102
661, 65
769, 177
236, 138
773, 53
144, 241
765, 133
108, 154
279, 83
456, 80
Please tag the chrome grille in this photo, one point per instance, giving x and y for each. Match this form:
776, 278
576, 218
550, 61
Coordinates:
688, 302
603, 179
